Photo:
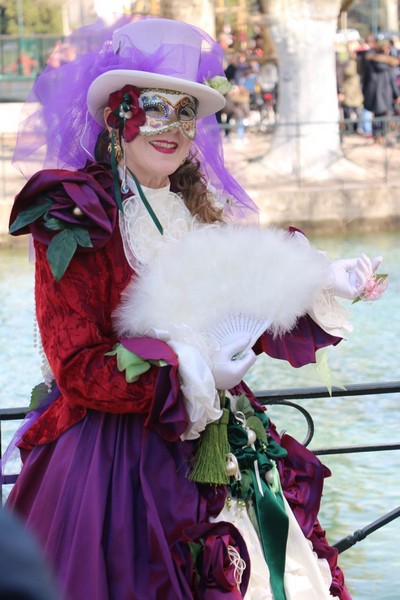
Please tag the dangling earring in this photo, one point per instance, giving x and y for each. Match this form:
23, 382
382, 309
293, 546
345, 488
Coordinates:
117, 148
117, 154
124, 183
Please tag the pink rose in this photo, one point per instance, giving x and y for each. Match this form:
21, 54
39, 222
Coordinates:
375, 287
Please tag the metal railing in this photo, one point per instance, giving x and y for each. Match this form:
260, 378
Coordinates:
287, 397
372, 159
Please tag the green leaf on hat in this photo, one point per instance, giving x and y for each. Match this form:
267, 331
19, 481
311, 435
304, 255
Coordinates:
243, 405
220, 84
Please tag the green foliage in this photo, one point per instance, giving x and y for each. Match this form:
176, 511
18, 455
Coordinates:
29, 215
131, 363
38, 395
27, 17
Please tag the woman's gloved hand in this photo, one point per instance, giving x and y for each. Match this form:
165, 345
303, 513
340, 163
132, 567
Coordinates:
348, 277
232, 360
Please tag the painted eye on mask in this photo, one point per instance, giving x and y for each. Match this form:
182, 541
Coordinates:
187, 113
156, 110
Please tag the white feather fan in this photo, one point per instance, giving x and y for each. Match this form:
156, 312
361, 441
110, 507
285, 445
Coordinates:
218, 280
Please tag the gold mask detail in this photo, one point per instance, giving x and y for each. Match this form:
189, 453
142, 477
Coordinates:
166, 110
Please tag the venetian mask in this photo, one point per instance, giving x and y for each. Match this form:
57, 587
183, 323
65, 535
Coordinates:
166, 110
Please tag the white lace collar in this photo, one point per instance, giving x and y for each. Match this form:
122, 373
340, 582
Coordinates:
140, 236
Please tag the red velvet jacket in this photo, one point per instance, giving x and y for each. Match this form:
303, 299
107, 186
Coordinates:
74, 318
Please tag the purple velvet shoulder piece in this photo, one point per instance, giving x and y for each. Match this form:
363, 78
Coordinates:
298, 346
82, 198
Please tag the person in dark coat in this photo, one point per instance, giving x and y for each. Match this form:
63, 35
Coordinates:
380, 89
24, 574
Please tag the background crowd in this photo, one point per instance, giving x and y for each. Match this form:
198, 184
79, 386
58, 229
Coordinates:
368, 79
254, 78
368, 86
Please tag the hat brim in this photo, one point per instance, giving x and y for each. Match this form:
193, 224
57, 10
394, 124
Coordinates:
210, 100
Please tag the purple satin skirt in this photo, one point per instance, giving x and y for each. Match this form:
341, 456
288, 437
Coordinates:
109, 501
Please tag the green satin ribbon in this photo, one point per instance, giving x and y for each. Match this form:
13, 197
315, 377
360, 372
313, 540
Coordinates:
117, 189
146, 203
273, 524
272, 520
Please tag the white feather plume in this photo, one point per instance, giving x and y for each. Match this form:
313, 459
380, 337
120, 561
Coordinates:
215, 278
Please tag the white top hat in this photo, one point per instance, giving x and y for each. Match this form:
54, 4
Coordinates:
165, 54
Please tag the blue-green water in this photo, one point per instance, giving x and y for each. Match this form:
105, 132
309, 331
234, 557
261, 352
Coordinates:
363, 487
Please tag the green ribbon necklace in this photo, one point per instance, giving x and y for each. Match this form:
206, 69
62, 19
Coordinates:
117, 187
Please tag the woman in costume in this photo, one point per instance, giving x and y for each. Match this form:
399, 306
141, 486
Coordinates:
142, 477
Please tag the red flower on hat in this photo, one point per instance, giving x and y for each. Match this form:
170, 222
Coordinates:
127, 113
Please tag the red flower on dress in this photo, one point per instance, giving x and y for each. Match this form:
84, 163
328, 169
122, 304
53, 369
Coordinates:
127, 112
220, 564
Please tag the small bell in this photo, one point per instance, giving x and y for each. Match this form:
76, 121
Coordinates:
76, 211
269, 476
128, 114
231, 468
251, 436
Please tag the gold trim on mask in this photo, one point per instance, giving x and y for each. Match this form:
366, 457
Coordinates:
162, 122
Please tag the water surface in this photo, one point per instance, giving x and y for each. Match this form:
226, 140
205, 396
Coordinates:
363, 486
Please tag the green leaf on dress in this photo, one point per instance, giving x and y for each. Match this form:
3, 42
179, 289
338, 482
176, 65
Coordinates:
256, 425
243, 405
55, 224
29, 215
82, 237
195, 550
39, 393
60, 251
131, 363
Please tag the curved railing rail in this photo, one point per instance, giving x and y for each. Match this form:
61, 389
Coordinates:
287, 397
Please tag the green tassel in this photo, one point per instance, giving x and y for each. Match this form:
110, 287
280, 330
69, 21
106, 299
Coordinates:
210, 461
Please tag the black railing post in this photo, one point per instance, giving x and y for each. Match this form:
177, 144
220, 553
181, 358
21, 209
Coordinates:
361, 534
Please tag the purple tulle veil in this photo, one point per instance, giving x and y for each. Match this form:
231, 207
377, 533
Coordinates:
57, 131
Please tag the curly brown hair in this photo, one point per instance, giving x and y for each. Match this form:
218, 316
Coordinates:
188, 179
